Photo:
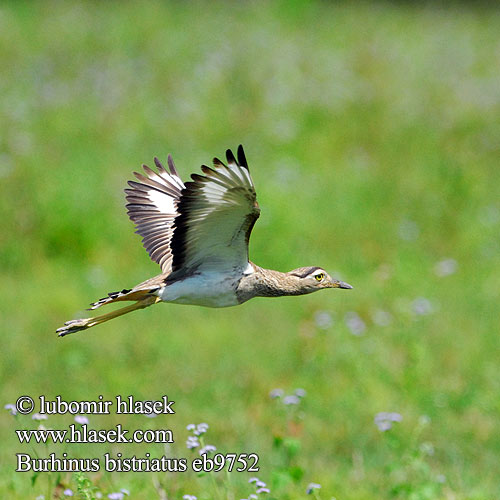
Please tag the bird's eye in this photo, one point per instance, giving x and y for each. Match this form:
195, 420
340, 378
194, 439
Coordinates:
319, 276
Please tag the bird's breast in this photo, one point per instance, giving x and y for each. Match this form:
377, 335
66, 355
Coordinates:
203, 289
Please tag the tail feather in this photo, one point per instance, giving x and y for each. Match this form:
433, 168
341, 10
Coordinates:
144, 294
77, 325
125, 294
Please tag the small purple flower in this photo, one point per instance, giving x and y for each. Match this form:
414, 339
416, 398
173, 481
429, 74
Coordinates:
81, 419
189, 497
355, 324
207, 449
291, 400
11, 408
200, 429
276, 393
300, 393
118, 495
68, 493
392, 416
383, 425
445, 267
261, 487
311, 487
192, 442
422, 306
39, 416
263, 490
384, 420
323, 320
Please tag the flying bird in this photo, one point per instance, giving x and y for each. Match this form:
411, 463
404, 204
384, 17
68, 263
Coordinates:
198, 233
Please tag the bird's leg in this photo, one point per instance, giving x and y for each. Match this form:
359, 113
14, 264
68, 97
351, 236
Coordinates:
76, 325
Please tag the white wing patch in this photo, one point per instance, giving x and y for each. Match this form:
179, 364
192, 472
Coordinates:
163, 201
204, 224
216, 214
152, 206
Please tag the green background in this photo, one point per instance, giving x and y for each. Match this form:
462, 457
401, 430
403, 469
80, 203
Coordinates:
372, 134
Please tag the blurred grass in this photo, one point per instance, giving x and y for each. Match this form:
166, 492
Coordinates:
371, 130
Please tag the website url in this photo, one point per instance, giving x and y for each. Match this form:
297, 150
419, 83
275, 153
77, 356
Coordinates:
82, 434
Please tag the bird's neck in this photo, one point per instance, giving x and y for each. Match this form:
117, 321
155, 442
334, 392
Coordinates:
271, 283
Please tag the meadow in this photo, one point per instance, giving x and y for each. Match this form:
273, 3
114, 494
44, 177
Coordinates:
372, 134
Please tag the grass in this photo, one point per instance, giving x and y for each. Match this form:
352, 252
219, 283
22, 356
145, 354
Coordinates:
371, 130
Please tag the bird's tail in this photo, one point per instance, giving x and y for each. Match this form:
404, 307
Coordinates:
143, 298
132, 294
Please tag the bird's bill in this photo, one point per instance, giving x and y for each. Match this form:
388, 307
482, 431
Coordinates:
340, 284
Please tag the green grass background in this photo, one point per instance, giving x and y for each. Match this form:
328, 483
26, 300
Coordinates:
372, 133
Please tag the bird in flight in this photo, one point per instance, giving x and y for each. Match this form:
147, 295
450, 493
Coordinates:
198, 233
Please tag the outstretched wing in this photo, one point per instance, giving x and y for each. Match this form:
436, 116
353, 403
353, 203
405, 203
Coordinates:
152, 206
217, 212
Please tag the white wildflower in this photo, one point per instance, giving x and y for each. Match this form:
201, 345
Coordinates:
323, 320
276, 393
422, 306
311, 487
354, 322
445, 267
39, 416
291, 400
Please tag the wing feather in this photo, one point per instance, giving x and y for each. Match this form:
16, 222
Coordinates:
152, 205
217, 212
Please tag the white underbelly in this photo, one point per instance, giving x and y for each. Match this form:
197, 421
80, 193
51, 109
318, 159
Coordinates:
207, 289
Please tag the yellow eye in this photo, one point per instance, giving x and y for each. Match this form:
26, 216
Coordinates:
319, 276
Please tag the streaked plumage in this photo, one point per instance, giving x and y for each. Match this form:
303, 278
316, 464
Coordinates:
198, 233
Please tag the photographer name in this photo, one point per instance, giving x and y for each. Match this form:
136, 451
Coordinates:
123, 405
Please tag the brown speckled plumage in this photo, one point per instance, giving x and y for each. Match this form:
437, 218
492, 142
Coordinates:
270, 283
198, 233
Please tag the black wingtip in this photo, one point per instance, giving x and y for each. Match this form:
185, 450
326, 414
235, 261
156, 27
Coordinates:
218, 163
241, 157
230, 157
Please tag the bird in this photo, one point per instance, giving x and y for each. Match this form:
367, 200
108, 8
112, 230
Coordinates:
198, 232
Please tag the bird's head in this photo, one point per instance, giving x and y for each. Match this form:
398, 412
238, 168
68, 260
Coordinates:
310, 279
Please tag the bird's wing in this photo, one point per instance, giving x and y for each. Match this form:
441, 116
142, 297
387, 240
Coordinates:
152, 206
217, 212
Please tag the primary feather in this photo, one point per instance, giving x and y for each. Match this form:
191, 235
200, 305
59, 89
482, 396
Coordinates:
198, 233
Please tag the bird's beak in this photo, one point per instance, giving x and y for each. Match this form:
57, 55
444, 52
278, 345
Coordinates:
340, 284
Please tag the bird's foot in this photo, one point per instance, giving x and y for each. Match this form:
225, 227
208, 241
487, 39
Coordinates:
73, 326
